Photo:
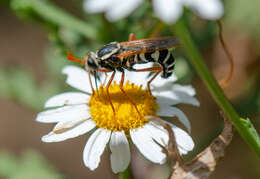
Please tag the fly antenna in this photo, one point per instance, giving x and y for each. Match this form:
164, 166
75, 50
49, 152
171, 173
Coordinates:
75, 59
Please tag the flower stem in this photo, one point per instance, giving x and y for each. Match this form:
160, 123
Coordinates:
243, 126
125, 174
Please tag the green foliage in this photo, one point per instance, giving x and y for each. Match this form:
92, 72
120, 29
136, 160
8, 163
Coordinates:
7, 2
51, 16
183, 70
244, 15
30, 165
250, 104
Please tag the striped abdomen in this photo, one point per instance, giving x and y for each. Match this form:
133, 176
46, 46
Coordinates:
163, 57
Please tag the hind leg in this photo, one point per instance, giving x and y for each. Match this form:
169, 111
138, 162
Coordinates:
132, 37
158, 70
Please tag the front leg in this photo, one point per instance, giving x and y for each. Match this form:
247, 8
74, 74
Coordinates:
124, 92
107, 89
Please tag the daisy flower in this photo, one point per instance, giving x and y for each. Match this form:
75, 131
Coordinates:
167, 10
77, 113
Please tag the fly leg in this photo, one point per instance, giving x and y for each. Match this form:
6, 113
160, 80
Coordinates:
107, 88
128, 97
132, 37
108, 85
90, 81
158, 70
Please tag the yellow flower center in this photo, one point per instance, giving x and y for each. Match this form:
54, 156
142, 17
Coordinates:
126, 116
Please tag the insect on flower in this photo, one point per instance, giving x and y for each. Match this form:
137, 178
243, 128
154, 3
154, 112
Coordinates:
117, 56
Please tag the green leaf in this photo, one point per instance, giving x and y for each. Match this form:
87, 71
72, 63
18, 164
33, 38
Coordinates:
247, 123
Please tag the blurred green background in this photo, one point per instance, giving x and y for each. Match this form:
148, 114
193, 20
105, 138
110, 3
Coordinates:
34, 37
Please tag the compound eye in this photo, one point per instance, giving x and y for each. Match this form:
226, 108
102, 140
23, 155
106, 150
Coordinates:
91, 62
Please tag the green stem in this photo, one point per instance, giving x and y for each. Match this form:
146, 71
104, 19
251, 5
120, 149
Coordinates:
125, 174
55, 15
244, 127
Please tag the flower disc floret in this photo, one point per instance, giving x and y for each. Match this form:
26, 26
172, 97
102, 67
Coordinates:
126, 116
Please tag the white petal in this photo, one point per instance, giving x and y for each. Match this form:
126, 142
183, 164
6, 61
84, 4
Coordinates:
160, 135
120, 152
184, 88
120, 9
71, 129
185, 94
66, 113
183, 139
94, 6
170, 111
161, 100
208, 9
157, 132
68, 98
168, 10
138, 78
117, 77
186, 99
161, 84
167, 94
176, 97
145, 144
78, 78
95, 147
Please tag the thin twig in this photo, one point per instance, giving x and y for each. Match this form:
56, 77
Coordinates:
224, 82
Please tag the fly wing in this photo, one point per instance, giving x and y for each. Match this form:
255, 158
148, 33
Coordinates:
147, 45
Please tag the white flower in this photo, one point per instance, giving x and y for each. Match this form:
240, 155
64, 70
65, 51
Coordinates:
77, 113
167, 10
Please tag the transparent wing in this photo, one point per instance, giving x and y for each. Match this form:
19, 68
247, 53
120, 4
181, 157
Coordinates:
147, 45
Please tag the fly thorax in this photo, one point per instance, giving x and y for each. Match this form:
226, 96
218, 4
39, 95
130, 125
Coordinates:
108, 50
